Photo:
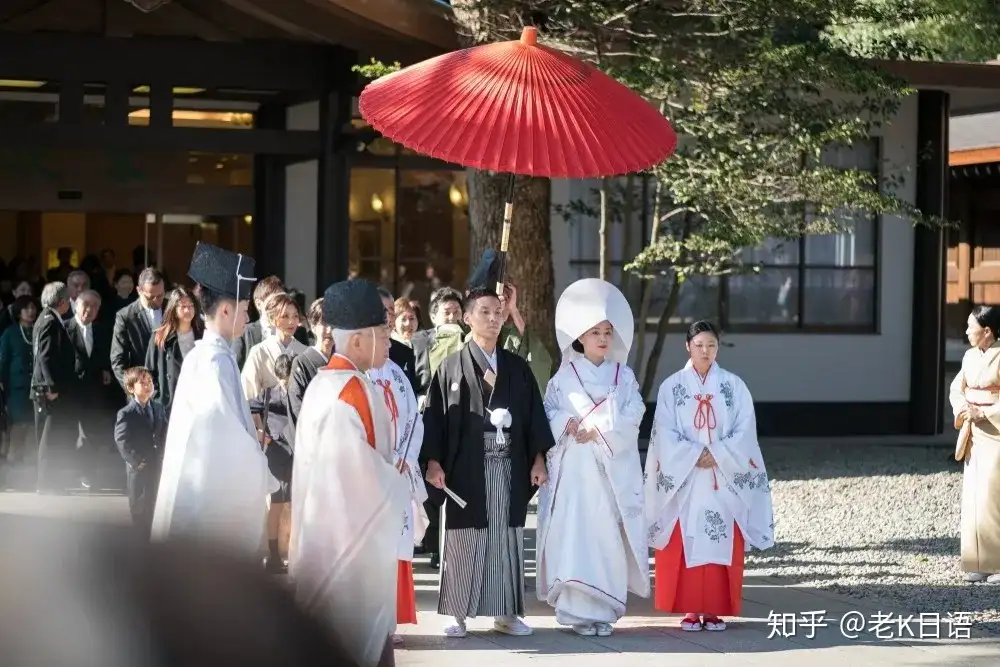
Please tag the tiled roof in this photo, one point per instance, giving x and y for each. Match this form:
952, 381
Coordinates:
974, 131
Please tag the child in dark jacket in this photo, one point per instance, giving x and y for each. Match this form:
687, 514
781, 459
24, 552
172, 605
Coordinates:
140, 432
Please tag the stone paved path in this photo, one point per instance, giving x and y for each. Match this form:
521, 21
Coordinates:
647, 637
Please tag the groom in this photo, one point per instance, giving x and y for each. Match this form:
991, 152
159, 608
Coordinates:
485, 438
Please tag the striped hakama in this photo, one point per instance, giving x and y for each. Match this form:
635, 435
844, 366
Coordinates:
482, 572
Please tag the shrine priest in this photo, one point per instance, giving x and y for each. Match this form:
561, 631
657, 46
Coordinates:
485, 439
349, 499
215, 481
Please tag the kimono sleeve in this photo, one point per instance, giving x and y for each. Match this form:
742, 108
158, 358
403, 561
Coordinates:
956, 395
734, 452
250, 375
629, 406
435, 420
539, 432
555, 408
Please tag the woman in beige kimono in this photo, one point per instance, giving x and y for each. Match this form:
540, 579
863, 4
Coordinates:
975, 399
258, 376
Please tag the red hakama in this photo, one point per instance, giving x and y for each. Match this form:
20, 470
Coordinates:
406, 597
713, 590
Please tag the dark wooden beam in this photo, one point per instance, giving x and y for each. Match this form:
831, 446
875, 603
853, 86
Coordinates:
929, 272
265, 65
333, 213
209, 140
269, 200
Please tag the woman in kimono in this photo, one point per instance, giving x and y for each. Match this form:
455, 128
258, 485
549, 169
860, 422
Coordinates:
258, 376
591, 547
974, 398
707, 494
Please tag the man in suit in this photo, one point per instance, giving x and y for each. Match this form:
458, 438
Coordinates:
134, 324
257, 331
140, 430
445, 308
401, 353
54, 387
77, 283
92, 343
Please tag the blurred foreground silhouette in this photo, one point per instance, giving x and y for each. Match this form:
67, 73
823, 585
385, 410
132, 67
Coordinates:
75, 594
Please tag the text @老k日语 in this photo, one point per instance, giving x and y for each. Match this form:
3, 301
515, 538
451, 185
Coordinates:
882, 625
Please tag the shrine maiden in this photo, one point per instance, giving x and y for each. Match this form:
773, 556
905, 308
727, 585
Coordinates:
707, 492
408, 435
215, 480
974, 398
591, 547
348, 499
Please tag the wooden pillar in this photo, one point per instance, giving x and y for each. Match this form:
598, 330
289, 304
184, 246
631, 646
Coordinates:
929, 277
269, 199
333, 219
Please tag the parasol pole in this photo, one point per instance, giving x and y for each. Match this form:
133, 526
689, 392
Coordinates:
508, 216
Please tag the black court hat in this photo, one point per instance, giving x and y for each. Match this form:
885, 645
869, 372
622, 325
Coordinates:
224, 272
353, 305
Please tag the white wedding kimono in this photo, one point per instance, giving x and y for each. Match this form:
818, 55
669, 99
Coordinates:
215, 481
348, 502
408, 434
591, 548
692, 414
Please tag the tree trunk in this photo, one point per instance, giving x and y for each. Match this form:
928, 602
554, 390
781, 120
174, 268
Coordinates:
628, 213
529, 257
603, 231
647, 285
661, 333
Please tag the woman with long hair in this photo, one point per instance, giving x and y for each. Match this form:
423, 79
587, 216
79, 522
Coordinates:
172, 340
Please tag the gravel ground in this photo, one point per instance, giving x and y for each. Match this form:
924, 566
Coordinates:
873, 522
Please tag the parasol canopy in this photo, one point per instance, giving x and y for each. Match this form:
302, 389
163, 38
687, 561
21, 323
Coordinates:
585, 304
521, 108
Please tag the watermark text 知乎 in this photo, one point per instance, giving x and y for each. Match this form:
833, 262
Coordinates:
882, 625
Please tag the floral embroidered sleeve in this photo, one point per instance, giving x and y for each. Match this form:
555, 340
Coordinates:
555, 410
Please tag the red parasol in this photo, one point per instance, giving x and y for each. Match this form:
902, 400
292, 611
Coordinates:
520, 108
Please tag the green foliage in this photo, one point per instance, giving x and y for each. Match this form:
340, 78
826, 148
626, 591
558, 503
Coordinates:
376, 69
759, 92
920, 29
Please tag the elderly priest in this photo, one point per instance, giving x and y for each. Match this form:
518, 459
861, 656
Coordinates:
344, 563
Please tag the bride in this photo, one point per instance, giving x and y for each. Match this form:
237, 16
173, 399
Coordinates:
591, 527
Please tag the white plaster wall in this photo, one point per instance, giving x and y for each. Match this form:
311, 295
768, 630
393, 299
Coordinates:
817, 367
302, 207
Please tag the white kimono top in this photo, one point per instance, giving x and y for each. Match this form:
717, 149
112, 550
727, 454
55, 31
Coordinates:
693, 414
258, 371
408, 436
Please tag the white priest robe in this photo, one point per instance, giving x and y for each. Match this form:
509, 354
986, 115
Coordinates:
715, 413
215, 481
348, 502
591, 528
408, 436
